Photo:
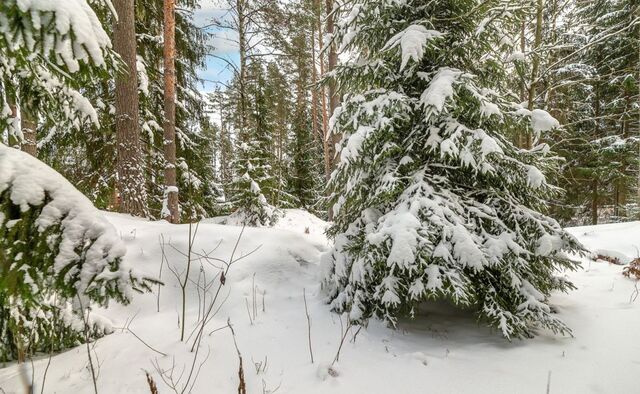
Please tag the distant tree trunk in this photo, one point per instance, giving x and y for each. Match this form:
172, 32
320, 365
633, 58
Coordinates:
12, 139
326, 146
171, 212
29, 127
314, 92
535, 67
520, 138
334, 99
594, 202
596, 135
242, 46
131, 183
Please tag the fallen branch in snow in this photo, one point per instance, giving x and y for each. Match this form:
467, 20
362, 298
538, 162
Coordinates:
633, 269
343, 334
163, 259
242, 386
152, 385
634, 294
306, 311
210, 313
248, 312
610, 259
85, 317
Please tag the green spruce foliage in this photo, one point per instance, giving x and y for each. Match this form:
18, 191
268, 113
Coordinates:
58, 259
431, 200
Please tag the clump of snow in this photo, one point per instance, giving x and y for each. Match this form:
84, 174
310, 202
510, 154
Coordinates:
76, 30
441, 88
412, 41
542, 121
516, 57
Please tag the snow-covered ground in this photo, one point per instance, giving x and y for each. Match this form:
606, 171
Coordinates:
442, 351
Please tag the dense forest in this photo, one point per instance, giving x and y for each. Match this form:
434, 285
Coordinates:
262, 140
429, 151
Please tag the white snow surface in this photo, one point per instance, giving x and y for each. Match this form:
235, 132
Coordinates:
443, 350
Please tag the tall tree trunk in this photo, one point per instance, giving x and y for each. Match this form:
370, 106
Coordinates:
14, 125
595, 176
594, 202
242, 46
131, 183
326, 146
171, 210
334, 99
535, 67
29, 127
521, 136
314, 92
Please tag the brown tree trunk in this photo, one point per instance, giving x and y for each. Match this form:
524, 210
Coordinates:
594, 202
334, 99
242, 46
521, 136
29, 138
535, 65
314, 92
326, 146
131, 182
12, 139
171, 213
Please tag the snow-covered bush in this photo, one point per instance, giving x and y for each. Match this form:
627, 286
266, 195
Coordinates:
58, 257
431, 200
49, 50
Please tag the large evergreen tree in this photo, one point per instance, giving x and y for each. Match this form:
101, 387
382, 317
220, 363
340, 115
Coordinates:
431, 201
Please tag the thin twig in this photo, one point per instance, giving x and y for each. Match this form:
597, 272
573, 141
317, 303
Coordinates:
306, 311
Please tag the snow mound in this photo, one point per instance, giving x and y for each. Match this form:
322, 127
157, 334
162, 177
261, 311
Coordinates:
30, 183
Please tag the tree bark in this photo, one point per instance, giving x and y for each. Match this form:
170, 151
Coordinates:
314, 92
326, 146
131, 182
334, 99
594, 202
242, 44
29, 137
171, 209
535, 65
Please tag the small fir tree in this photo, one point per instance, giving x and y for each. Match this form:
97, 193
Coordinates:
431, 200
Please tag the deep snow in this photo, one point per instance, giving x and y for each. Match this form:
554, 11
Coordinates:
442, 351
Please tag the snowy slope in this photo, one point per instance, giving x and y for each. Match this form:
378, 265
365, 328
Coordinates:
442, 351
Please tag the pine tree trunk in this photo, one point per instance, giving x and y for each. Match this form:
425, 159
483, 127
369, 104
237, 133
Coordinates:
11, 138
334, 99
520, 138
29, 127
323, 98
535, 65
131, 182
171, 213
242, 46
594, 202
314, 90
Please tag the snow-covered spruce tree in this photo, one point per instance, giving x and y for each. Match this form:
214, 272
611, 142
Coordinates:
49, 50
431, 201
58, 257
254, 180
